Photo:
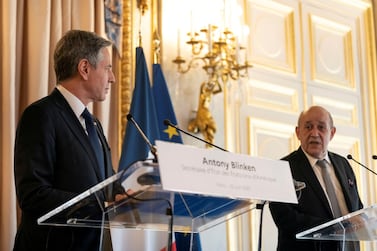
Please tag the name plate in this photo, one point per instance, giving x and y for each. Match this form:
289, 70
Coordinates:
213, 172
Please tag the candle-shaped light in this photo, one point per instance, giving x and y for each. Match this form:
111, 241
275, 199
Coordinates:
179, 41
192, 25
246, 36
209, 38
237, 50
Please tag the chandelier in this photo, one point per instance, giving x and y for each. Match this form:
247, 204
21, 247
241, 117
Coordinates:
223, 58
219, 52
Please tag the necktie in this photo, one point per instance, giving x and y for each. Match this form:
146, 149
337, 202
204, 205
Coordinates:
94, 140
329, 188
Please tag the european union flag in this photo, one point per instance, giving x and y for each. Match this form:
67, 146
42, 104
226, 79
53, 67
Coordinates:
150, 106
164, 109
143, 111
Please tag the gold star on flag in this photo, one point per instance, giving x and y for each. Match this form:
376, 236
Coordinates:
171, 131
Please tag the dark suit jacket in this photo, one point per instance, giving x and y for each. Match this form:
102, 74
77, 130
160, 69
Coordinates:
312, 208
54, 162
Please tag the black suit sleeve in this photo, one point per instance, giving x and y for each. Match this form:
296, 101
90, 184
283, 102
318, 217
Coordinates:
293, 219
35, 158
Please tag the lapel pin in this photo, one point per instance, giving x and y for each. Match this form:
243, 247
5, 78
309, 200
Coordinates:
350, 182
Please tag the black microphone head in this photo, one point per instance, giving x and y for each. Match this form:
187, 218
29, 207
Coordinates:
349, 156
374, 156
129, 117
167, 122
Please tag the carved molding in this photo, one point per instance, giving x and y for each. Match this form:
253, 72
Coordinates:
125, 73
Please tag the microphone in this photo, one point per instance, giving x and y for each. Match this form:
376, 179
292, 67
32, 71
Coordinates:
152, 148
168, 123
349, 156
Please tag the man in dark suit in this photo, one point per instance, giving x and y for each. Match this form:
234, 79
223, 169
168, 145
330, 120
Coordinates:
315, 129
54, 159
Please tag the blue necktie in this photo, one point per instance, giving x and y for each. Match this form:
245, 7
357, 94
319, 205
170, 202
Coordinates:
94, 140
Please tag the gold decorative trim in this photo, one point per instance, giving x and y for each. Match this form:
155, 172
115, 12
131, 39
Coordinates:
142, 5
156, 31
370, 16
125, 74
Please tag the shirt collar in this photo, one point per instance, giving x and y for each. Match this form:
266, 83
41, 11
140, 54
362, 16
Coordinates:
313, 160
75, 103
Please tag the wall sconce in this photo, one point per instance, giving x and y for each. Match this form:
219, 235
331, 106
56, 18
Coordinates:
220, 55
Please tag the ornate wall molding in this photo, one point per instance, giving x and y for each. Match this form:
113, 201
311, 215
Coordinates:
125, 74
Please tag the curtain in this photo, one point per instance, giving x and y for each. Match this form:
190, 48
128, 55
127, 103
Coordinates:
8, 217
28, 34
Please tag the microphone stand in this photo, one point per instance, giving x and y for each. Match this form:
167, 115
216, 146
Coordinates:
152, 148
168, 123
349, 156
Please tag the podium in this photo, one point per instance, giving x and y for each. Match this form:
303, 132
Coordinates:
195, 190
360, 225
149, 208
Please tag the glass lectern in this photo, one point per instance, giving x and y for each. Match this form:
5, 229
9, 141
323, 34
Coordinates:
148, 207
360, 225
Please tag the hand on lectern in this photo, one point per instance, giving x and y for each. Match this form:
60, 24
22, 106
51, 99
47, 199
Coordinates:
355, 223
119, 197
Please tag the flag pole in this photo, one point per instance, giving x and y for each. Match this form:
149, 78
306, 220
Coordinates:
156, 47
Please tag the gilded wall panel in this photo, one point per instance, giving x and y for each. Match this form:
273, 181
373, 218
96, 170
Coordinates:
272, 40
331, 52
272, 140
274, 96
343, 109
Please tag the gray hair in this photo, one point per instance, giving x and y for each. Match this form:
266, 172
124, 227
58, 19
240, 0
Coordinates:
316, 107
74, 46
